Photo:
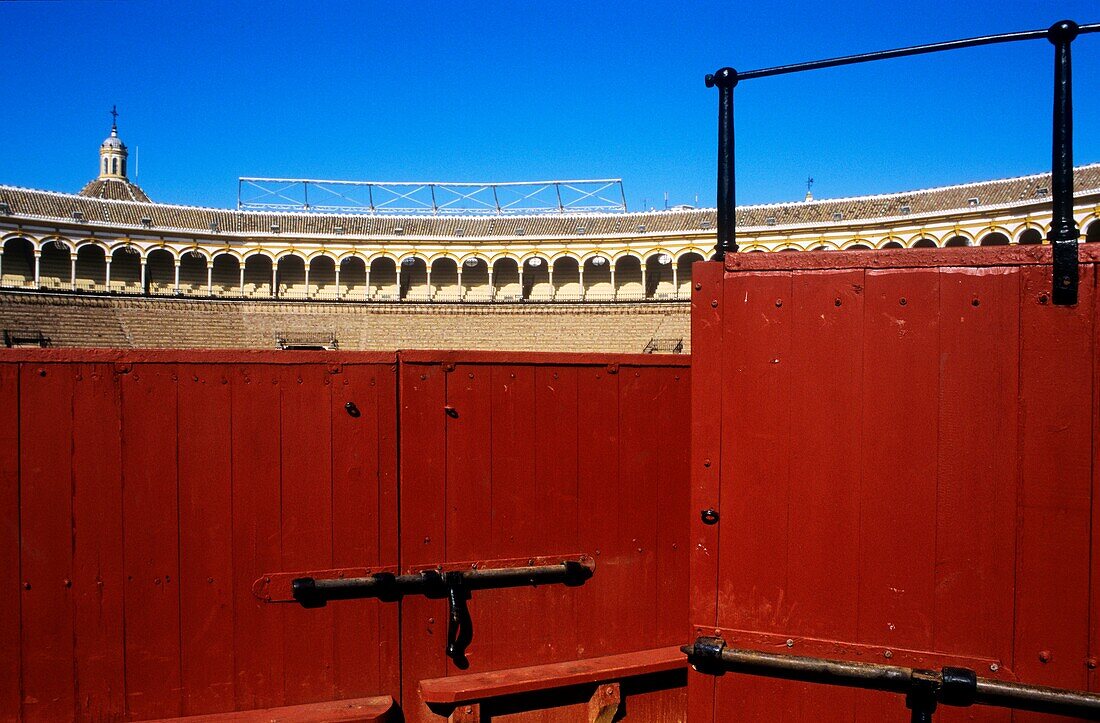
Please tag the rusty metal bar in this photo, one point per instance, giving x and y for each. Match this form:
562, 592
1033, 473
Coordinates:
1063, 227
924, 689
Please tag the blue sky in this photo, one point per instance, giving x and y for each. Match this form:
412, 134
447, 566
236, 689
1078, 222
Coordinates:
503, 91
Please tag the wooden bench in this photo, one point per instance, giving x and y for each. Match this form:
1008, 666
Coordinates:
463, 695
352, 710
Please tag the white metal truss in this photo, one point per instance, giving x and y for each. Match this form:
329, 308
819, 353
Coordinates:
430, 198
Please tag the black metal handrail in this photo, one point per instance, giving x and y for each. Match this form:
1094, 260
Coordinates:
1063, 233
924, 689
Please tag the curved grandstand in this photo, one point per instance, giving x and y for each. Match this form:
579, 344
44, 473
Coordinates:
107, 257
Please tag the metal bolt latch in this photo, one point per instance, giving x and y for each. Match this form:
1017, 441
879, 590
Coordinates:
709, 516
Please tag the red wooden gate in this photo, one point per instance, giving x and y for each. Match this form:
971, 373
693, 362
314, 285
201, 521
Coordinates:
143, 493
900, 446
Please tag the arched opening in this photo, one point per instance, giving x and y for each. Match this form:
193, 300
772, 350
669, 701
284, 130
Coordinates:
445, 280
55, 267
160, 272
353, 279
891, 245
628, 279
994, 239
1092, 235
383, 280
290, 277
683, 273
658, 277
857, 247
91, 268
17, 264
322, 278
1031, 237
567, 279
597, 279
414, 279
924, 243
125, 270
475, 279
957, 242
506, 280
225, 275
193, 278
789, 249
536, 280
257, 275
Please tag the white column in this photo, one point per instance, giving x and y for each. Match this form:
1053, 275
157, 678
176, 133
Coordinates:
580, 278
37, 268
274, 288
176, 285
428, 279
241, 283
143, 289
460, 292
210, 277
337, 279
307, 279
398, 275
108, 276
675, 283
614, 291
72, 271
521, 282
492, 289
366, 279
645, 293
550, 278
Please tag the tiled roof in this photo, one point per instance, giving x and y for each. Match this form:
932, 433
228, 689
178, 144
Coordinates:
103, 208
115, 190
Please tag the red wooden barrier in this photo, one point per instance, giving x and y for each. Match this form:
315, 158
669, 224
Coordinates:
143, 492
901, 449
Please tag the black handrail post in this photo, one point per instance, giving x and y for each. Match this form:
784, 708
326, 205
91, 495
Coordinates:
1063, 228
725, 79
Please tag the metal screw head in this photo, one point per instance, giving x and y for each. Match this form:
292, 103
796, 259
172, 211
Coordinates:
714, 303
790, 642
993, 667
1044, 656
779, 302
698, 287
888, 654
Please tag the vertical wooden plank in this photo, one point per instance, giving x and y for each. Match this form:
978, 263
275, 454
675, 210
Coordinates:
46, 527
638, 476
151, 541
1093, 662
98, 578
206, 541
753, 569
901, 367
257, 545
1056, 458
422, 458
977, 466
707, 308
673, 511
826, 369
306, 444
389, 531
469, 492
552, 633
9, 542
365, 631
603, 630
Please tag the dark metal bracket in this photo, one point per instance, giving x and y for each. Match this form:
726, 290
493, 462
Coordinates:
1063, 230
924, 690
315, 590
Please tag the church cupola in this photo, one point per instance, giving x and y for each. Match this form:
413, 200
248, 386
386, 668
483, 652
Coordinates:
113, 153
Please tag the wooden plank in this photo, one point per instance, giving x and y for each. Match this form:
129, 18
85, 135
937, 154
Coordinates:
469, 491
306, 514
10, 594
151, 541
480, 686
422, 459
98, 578
602, 630
257, 545
206, 541
378, 708
1056, 458
673, 506
707, 309
45, 467
754, 566
365, 631
977, 466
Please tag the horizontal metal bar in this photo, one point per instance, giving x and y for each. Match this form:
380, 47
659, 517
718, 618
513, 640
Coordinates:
311, 592
710, 654
468, 184
904, 52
